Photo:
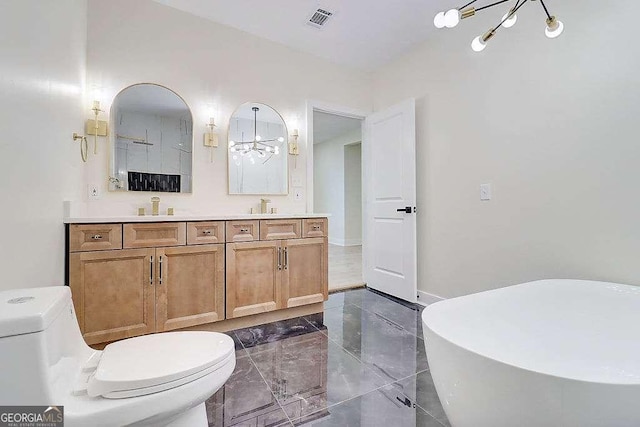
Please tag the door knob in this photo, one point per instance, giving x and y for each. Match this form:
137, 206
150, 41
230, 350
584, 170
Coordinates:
408, 209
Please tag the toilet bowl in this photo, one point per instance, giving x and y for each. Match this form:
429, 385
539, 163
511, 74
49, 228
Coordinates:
152, 380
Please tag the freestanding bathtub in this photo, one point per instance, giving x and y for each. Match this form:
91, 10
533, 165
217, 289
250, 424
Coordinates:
541, 354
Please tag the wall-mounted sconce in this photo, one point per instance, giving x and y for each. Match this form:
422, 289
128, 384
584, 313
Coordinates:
211, 137
96, 127
293, 147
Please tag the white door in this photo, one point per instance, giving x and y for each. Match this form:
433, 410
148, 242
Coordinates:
389, 172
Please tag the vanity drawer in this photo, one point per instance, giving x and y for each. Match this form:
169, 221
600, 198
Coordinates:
204, 233
314, 227
94, 237
242, 231
155, 234
280, 229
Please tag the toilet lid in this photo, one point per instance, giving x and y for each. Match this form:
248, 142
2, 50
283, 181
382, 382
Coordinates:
151, 360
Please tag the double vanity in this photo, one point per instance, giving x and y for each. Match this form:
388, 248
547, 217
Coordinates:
139, 275
132, 276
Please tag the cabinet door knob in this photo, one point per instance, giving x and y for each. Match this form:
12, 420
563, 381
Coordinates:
96, 236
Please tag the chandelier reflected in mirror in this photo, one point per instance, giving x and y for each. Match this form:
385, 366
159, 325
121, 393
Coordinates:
258, 146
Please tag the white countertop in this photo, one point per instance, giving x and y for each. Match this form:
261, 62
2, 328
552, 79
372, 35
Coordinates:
176, 218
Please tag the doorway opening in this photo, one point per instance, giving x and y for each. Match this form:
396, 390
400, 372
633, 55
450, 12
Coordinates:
337, 190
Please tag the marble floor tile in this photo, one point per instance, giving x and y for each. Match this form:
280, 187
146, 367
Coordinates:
408, 318
309, 372
385, 347
338, 299
245, 399
271, 332
360, 363
421, 390
384, 407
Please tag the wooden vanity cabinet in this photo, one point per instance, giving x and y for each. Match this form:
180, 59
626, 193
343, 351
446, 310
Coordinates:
189, 286
253, 278
113, 294
272, 274
142, 278
304, 279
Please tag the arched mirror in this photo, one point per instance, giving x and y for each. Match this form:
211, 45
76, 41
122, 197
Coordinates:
152, 141
257, 151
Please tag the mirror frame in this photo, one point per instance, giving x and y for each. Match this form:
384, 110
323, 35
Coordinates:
112, 142
286, 152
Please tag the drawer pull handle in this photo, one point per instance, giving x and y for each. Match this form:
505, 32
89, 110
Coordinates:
151, 269
316, 227
244, 230
96, 236
160, 263
207, 232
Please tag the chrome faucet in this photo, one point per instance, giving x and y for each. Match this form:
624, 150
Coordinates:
263, 205
155, 201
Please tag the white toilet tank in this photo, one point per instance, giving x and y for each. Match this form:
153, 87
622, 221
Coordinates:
41, 348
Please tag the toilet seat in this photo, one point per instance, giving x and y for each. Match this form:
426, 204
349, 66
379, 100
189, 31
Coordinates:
153, 363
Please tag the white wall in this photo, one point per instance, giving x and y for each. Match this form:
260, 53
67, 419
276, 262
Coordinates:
42, 68
353, 194
210, 66
552, 124
329, 183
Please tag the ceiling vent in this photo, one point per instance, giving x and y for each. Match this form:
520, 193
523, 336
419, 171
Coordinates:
319, 18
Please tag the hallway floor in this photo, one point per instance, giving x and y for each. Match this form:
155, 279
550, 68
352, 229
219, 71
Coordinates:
360, 363
345, 267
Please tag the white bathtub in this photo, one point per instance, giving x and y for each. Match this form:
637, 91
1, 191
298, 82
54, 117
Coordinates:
541, 354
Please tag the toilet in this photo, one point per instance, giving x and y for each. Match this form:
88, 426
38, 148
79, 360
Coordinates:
152, 380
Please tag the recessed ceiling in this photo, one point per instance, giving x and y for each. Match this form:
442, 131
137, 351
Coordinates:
364, 34
330, 126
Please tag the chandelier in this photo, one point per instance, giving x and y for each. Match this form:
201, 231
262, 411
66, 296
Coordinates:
452, 18
257, 145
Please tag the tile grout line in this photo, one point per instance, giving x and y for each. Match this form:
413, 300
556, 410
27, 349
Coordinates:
269, 387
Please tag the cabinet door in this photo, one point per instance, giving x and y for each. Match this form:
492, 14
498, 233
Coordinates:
253, 278
304, 278
113, 293
189, 286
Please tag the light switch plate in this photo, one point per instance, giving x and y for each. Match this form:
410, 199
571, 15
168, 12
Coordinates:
296, 181
485, 192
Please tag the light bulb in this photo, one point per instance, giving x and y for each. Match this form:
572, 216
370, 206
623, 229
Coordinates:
478, 44
281, 139
268, 149
258, 137
439, 20
261, 154
253, 161
232, 143
246, 146
232, 149
452, 18
235, 157
508, 23
276, 150
554, 28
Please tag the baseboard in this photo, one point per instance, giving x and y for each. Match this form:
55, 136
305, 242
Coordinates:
425, 298
345, 242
